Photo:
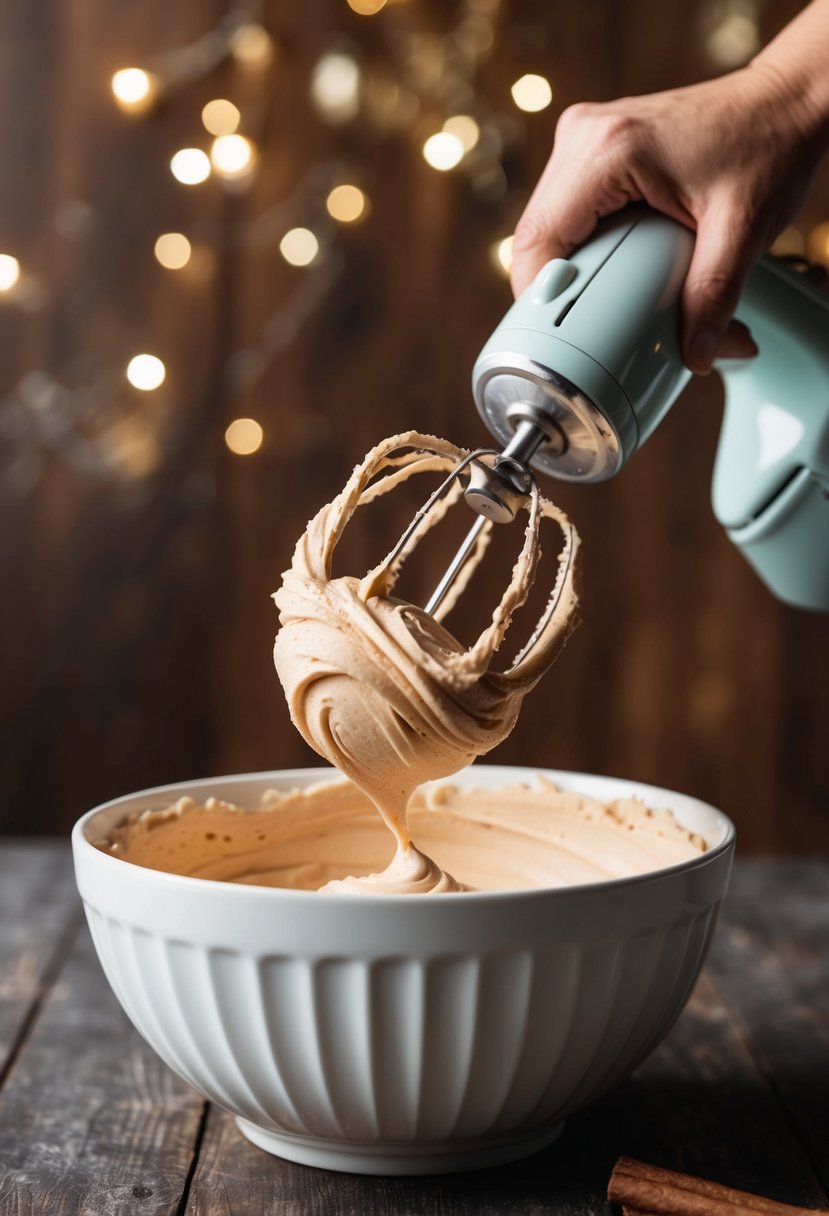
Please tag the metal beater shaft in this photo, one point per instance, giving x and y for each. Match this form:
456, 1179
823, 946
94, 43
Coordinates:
520, 450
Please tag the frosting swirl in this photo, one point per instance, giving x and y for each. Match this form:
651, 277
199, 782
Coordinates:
379, 687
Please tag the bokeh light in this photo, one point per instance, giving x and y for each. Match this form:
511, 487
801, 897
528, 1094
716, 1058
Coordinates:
532, 93
9, 271
252, 46
244, 436
790, 241
501, 254
220, 117
146, 372
346, 203
443, 151
134, 90
366, 8
172, 250
190, 166
299, 246
464, 128
335, 87
232, 155
736, 37
817, 245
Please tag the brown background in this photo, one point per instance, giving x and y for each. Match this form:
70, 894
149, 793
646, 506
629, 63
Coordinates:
137, 555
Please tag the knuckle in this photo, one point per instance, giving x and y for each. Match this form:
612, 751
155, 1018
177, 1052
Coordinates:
619, 132
575, 115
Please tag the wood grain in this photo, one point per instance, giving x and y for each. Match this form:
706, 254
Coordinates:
90, 1120
39, 917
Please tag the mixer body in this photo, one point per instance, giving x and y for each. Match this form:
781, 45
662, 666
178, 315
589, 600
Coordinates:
589, 353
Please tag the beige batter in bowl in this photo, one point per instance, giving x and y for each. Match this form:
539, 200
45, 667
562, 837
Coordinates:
402, 1034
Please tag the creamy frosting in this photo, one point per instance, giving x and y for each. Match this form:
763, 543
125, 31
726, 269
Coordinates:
386, 694
329, 836
380, 688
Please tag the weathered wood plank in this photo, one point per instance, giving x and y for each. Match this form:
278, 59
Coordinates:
772, 963
39, 912
90, 1120
700, 1105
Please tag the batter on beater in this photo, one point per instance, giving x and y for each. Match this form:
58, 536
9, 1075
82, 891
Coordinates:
379, 687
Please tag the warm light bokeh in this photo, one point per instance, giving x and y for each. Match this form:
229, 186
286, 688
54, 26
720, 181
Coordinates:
9, 271
443, 151
172, 250
232, 155
146, 372
244, 436
220, 116
464, 128
134, 90
299, 246
532, 93
346, 203
190, 166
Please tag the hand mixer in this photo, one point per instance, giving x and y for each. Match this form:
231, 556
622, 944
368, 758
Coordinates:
586, 363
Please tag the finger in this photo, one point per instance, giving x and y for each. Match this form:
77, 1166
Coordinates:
737, 343
724, 251
552, 226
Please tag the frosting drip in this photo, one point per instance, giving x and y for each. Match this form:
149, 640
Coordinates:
380, 688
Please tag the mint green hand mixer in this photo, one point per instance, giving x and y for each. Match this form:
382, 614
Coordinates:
586, 363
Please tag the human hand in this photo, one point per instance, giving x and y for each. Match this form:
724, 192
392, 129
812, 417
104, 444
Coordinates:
731, 158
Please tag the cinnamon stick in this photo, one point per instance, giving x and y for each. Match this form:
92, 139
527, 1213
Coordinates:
648, 1190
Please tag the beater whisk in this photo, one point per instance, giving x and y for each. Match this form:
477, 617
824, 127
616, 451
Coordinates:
498, 485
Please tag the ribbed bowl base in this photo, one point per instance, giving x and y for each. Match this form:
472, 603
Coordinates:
427, 1158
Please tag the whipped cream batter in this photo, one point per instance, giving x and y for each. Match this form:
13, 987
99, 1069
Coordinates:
329, 836
380, 688
389, 697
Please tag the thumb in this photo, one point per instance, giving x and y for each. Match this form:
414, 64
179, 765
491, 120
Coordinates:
724, 251
549, 228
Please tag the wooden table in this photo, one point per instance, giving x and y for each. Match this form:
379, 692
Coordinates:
91, 1122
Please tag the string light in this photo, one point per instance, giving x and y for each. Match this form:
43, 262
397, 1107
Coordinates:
501, 254
366, 8
299, 246
443, 151
244, 436
220, 117
9, 271
424, 69
231, 155
190, 166
789, 241
134, 90
172, 250
335, 87
146, 372
346, 203
818, 243
464, 128
736, 35
532, 93
252, 46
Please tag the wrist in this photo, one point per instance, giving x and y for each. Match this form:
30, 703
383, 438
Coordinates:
794, 74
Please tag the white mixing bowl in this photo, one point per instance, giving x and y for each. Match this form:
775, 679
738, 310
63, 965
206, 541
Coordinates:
401, 1034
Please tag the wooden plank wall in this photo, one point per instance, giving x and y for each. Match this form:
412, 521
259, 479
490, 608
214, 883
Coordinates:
136, 618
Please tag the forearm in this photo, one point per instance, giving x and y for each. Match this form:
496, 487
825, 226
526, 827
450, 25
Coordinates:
798, 61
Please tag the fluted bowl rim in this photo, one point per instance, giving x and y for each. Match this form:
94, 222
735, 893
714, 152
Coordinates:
690, 811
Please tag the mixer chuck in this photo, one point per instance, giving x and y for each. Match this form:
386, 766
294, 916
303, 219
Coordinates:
498, 487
